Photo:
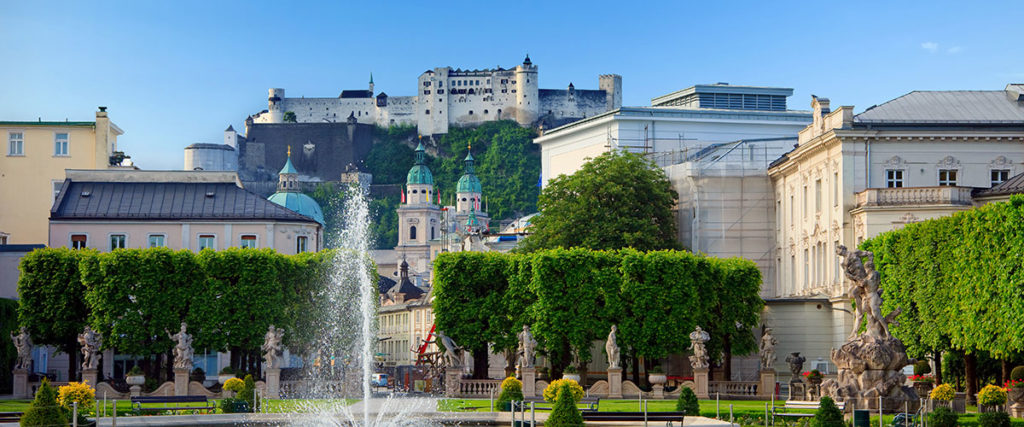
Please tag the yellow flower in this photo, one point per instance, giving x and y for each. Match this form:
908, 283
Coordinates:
551, 392
76, 392
992, 395
943, 393
234, 384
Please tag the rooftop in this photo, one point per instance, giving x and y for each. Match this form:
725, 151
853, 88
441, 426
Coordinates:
721, 88
949, 107
42, 123
1014, 185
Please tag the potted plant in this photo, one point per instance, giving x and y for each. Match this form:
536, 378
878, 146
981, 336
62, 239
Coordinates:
813, 376
135, 376
570, 373
1015, 386
944, 394
656, 376
922, 383
225, 374
991, 398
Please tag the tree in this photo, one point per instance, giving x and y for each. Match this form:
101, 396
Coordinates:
616, 200
828, 414
734, 311
565, 413
51, 300
687, 402
8, 354
44, 410
289, 117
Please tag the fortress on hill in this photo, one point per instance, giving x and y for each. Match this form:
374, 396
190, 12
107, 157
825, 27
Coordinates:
454, 97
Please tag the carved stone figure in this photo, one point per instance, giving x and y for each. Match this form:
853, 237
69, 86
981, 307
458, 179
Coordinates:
766, 350
182, 348
796, 364
611, 346
272, 347
452, 352
90, 341
853, 268
527, 346
699, 359
23, 343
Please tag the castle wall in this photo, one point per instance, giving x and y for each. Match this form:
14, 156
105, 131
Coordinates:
575, 104
320, 150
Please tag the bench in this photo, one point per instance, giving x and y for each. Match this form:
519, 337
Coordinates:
904, 419
10, 417
634, 416
780, 411
197, 403
590, 404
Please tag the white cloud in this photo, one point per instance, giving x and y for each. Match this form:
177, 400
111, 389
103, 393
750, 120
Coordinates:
954, 50
930, 46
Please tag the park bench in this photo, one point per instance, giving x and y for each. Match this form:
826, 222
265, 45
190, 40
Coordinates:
196, 403
590, 404
10, 417
781, 411
634, 416
904, 420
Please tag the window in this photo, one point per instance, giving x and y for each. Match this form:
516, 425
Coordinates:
894, 178
56, 188
117, 241
947, 177
207, 241
60, 144
300, 244
999, 176
16, 144
427, 112
412, 233
249, 241
156, 240
817, 196
432, 233
79, 241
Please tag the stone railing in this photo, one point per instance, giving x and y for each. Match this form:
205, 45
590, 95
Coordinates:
478, 388
733, 388
910, 196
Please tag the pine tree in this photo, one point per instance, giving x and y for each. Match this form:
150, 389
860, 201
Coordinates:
828, 414
687, 402
44, 410
565, 413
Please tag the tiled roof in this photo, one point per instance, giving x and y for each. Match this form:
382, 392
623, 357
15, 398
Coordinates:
1014, 185
166, 201
947, 107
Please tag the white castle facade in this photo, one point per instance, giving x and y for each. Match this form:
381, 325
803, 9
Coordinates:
454, 97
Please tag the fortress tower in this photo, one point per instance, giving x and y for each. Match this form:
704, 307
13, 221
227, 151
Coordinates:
275, 106
527, 93
611, 84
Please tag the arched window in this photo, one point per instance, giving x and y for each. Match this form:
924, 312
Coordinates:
412, 233
432, 233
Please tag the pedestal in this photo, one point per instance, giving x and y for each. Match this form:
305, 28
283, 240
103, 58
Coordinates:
797, 390
614, 383
529, 381
135, 391
700, 380
180, 382
452, 381
1017, 410
657, 391
766, 388
21, 384
273, 382
90, 376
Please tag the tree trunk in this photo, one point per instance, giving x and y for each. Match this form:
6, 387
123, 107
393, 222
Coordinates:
727, 358
582, 369
1006, 371
73, 350
636, 367
480, 364
510, 363
971, 372
938, 367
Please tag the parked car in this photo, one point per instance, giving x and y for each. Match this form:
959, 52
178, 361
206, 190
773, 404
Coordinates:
379, 380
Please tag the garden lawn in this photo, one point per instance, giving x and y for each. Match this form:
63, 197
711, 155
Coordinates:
707, 407
124, 406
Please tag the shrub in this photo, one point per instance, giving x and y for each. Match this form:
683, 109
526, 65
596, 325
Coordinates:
942, 417
922, 368
943, 393
232, 405
570, 370
76, 392
234, 384
197, 375
991, 395
135, 370
44, 410
227, 370
565, 413
994, 419
551, 392
828, 414
687, 402
248, 392
511, 390
1017, 374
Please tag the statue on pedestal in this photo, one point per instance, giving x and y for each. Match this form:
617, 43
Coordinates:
796, 364
611, 346
527, 346
182, 348
272, 347
766, 350
452, 352
23, 344
699, 359
90, 341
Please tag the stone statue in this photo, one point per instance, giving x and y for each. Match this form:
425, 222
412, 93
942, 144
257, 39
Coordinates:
452, 352
796, 364
23, 343
183, 348
869, 364
90, 341
611, 346
527, 345
272, 347
699, 359
766, 350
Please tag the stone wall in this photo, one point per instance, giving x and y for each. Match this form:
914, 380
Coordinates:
319, 150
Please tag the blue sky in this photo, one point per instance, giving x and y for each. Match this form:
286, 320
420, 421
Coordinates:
176, 73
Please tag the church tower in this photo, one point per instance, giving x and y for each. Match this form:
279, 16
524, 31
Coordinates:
418, 216
468, 192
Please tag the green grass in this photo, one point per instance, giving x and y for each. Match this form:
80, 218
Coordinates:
124, 406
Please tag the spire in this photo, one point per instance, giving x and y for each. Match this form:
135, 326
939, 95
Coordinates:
469, 161
288, 178
288, 167
421, 153
371, 77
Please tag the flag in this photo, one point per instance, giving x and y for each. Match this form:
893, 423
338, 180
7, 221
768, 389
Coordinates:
439, 197
403, 195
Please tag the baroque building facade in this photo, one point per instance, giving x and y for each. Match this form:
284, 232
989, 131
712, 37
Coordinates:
453, 97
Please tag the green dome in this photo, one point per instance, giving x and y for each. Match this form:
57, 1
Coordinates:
469, 184
300, 203
420, 173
